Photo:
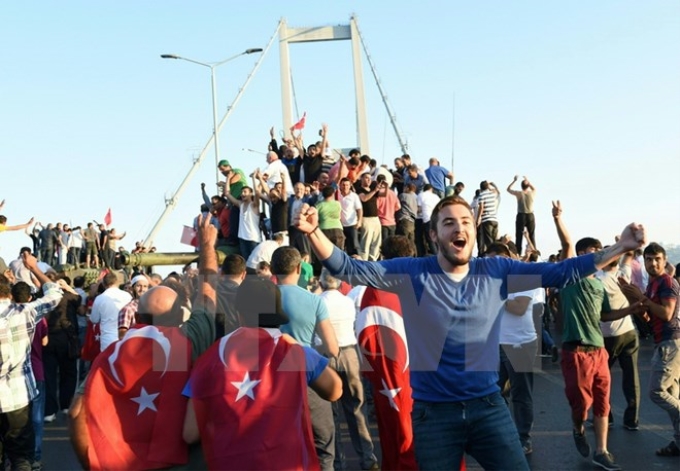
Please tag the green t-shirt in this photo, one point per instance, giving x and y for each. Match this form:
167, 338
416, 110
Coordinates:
329, 215
306, 274
235, 188
582, 303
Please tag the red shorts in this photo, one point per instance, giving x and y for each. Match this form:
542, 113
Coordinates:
587, 381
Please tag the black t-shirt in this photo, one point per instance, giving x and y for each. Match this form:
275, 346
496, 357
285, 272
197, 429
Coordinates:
370, 207
279, 216
102, 238
313, 167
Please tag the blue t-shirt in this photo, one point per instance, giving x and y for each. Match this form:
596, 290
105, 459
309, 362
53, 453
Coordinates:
436, 174
452, 327
304, 310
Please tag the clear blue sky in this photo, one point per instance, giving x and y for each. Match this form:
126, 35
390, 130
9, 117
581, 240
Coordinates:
582, 97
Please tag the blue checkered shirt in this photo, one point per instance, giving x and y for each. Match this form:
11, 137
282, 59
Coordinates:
17, 326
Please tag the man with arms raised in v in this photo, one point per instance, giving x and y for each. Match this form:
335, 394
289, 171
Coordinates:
451, 303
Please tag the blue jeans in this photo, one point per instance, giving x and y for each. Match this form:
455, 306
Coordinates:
246, 247
444, 431
38, 418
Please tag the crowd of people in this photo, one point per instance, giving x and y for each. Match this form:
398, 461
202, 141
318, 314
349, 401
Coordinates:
342, 282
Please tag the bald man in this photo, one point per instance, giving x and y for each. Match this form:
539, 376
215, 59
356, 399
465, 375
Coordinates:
134, 386
277, 172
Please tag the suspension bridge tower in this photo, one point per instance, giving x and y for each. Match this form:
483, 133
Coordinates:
288, 35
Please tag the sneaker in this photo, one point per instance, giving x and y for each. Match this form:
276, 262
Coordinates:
605, 460
554, 354
64, 411
527, 448
631, 427
581, 443
36, 466
50, 418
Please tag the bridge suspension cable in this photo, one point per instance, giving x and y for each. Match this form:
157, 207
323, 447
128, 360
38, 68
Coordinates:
393, 117
171, 202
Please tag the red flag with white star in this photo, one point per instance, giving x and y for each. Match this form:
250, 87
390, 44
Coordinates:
134, 402
382, 343
249, 392
91, 346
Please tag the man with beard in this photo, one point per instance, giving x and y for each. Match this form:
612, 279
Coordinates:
451, 303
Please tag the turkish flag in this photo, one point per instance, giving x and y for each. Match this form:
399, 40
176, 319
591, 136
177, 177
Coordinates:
382, 343
91, 345
107, 218
134, 402
249, 391
189, 236
300, 124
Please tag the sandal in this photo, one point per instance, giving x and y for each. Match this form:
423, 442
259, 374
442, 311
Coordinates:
669, 450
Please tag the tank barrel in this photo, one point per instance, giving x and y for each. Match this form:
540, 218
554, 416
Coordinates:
159, 258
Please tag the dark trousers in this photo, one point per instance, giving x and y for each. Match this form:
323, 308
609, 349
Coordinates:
407, 228
234, 221
488, 232
421, 247
61, 374
109, 257
17, 441
47, 255
521, 221
336, 236
387, 231
298, 240
246, 247
323, 429
351, 239
624, 348
517, 369
431, 246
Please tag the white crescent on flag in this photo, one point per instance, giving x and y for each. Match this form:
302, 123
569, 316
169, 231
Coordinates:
386, 317
274, 333
149, 332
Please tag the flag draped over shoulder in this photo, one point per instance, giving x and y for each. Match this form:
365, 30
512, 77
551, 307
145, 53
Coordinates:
382, 343
249, 392
134, 402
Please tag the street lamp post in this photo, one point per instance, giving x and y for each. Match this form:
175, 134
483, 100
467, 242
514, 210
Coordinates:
213, 83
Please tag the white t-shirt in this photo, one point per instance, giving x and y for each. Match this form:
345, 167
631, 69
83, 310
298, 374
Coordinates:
617, 300
76, 240
518, 330
249, 224
262, 253
342, 315
105, 311
21, 273
349, 204
277, 172
427, 200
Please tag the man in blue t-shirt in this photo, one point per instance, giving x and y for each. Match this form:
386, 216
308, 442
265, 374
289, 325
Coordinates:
451, 304
308, 315
437, 176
